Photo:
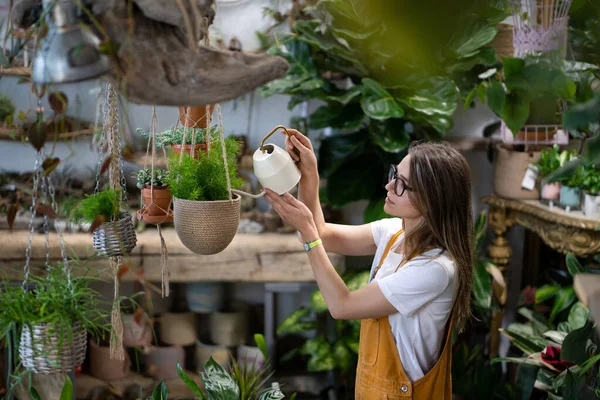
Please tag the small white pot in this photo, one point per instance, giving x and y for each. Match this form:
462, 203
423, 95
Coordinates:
221, 355
249, 356
178, 328
591, 205
229, 328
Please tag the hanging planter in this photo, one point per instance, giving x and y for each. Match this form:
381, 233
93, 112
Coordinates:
115, 238
45, 349
156, 196
206, 213
196, 117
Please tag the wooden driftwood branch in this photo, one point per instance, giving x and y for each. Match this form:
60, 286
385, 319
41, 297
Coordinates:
157, 61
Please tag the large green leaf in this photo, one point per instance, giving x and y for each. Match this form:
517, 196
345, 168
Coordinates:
574, 346
477, 40
546, 292
355, 179
321, 355
526, 376
564, 299
272, 394
573, 265
515, 112
348, 117
571, 388
218, 383
336, 150
496, 97
525, 338
537, 320
374, 211
261, 344
580, 116
294, 323
578, 315
189, 382
482, 285
377, 102
67, 390
559, 381
346, 96
391, 135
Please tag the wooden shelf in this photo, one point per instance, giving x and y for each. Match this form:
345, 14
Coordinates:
265, 257
16, 133
15, 71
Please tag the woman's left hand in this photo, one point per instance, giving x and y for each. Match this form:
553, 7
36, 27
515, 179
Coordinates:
294, 213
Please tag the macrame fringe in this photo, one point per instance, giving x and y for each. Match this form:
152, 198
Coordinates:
117, 351
164, 257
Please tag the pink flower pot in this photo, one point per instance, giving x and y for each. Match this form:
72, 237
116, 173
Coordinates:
551, 191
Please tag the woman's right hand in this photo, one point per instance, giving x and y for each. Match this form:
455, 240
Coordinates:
301, 150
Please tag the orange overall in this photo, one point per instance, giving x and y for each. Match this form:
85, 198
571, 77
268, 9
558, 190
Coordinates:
380, 374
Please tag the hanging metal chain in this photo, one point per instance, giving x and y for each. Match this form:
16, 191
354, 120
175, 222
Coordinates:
103, 135
45, 227
26, 269
61, 241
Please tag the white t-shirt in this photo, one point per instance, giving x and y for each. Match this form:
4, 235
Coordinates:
422, 291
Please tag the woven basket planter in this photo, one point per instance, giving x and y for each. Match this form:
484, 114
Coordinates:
39, 351
509, 169
115, 238
206, 227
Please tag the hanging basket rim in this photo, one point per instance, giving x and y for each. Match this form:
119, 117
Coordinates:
236, 198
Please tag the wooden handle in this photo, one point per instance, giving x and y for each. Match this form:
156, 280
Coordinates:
262, 143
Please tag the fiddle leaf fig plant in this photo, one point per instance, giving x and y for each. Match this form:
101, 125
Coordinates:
378, 93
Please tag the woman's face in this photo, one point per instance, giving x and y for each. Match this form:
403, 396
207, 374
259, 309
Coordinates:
397, 204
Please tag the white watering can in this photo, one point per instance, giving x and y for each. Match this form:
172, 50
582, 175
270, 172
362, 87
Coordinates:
273, 167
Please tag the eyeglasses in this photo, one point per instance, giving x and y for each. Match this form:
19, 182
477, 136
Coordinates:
393, 175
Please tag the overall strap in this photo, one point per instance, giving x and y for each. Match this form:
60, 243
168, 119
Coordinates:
388, 247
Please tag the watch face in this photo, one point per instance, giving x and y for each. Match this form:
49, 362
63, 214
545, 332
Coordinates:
306, 247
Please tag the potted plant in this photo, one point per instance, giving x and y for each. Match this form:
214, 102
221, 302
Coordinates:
570, 188
196, 117
550, 161
155, 192
206, 214
590, 184
112, 229
52, 317
101, 364
173, 138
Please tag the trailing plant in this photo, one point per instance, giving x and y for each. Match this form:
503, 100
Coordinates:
104, 204
561, 350
175, 135
591, 180
204, 179
379, 93
158, 180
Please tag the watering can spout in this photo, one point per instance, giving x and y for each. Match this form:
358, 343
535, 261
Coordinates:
273, 167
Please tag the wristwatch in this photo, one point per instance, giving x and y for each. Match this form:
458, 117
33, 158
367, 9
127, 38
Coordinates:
310, 245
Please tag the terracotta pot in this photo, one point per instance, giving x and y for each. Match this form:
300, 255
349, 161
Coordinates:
196, 116
102, 367
178, 328
187, 148
157, 200
137, 334
161, 362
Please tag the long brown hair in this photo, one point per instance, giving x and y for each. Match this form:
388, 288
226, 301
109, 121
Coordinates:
440, 178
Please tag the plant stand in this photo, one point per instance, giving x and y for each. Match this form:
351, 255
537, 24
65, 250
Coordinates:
564, 232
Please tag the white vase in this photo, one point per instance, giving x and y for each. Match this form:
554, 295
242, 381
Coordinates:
591, 205
250, 356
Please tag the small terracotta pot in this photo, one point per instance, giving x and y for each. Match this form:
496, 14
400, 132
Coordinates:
137, 334
161, 362
102, 367
196, 116
178, 328
187, 148
157, 200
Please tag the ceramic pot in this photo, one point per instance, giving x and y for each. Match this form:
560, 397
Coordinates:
273, 166
157, 200
569, 196
591, 205
161, 362
221, 354
249, 356
551, 191
137, 331
196, 116
102, 367
178, 328
205, 297
187, 148
229, 328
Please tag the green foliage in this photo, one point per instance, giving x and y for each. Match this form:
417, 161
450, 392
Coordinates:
54, 301
105, 204
591, 180
204, 179
397, 90
175, 136
528, 91
250, 380
326, 352
549, 161
145, 178
7, 108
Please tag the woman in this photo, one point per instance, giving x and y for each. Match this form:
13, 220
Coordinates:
421, 275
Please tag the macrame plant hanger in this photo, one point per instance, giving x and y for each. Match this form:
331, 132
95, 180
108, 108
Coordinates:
32, 348
168, 217
110, 139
